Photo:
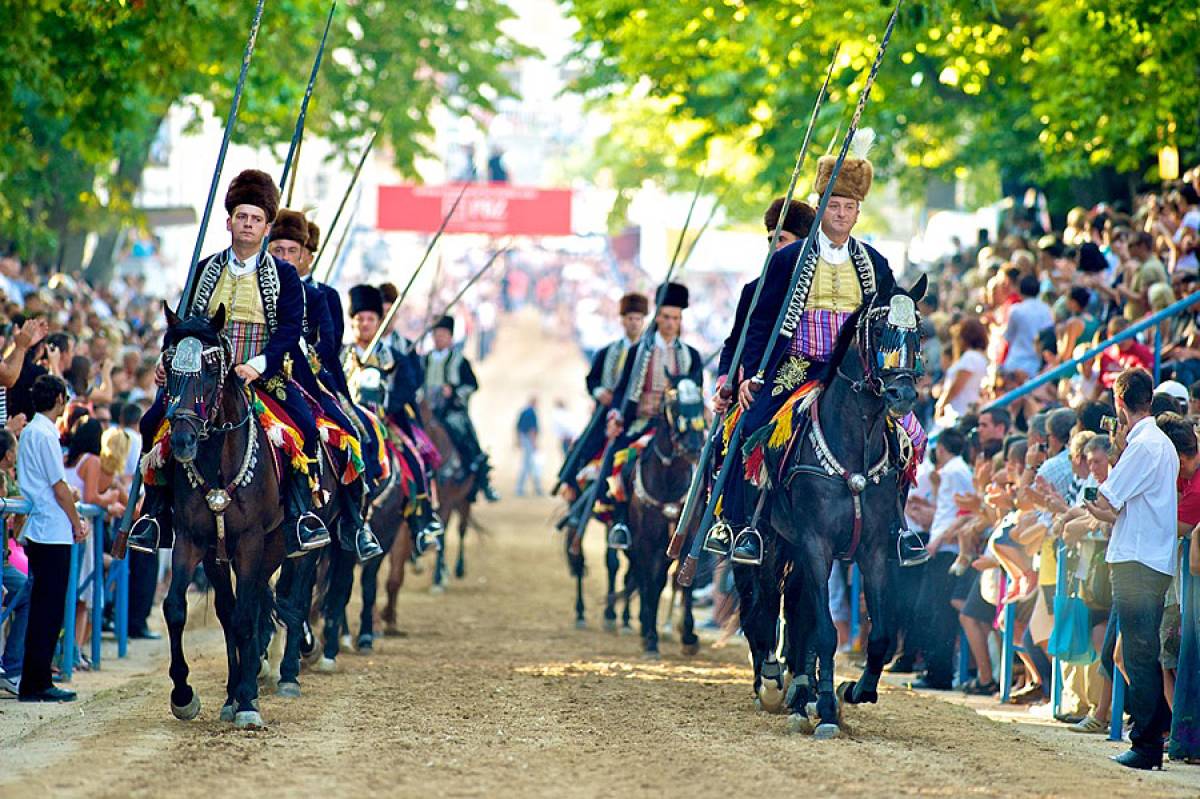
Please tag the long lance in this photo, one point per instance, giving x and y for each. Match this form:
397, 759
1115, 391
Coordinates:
230, 121
637, 377
119, 543
687, 570
337, 251
291, 187
675, 545
387, 319
432, 320
303, 115
342, 205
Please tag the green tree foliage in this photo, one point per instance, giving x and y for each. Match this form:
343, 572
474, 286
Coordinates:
85, 85
1041, 90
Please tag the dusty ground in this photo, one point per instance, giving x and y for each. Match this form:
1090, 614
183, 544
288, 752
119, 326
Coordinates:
494, 693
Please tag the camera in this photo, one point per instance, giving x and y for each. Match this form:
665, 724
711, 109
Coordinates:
1091, 493
1109, 424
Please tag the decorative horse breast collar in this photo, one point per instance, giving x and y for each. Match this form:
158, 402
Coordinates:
669, 510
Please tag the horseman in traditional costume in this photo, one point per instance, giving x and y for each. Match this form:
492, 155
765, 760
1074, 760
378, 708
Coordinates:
368, 378
638, 400
448, 384
840, 273
264, 303
353, 439
607, 365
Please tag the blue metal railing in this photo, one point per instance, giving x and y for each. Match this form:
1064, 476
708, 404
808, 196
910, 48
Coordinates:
116, 580
1064, 369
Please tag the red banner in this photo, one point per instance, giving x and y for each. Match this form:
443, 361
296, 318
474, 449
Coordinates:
492, 208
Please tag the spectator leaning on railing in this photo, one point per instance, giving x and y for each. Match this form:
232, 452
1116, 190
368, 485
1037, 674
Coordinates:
52, 528
1139, 498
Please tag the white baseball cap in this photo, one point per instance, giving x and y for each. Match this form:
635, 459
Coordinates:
1173, 388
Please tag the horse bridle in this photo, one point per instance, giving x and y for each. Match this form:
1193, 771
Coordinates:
187, 359
672, 509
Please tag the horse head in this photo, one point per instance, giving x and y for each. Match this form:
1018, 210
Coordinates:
197, 357
887, 337
683, 408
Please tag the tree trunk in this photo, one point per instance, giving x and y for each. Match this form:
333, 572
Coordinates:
123, 187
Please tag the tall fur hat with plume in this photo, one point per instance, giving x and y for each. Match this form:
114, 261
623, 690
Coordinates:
253, 187
854, 178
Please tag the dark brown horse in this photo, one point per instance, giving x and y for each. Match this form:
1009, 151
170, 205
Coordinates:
455, 496
658, 485
227, 507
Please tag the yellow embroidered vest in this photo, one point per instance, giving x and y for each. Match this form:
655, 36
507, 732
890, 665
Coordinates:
835, 288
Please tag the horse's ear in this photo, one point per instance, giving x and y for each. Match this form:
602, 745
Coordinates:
172, 317
918, 289
218, 319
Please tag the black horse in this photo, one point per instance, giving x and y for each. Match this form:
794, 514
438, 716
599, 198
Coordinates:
227, 509
839, 496
660, 480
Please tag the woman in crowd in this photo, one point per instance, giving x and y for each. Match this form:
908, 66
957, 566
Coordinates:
964, 378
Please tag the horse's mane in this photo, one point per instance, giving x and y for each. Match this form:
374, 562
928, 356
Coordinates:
192, 327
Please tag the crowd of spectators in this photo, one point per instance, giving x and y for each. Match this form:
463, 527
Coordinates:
1094, 466
76, 374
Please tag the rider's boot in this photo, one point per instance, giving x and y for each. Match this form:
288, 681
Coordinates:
748, 545
425, 526
482, 470
619, 535
719, 540
910, 546
366, 545
153, 529
303, 530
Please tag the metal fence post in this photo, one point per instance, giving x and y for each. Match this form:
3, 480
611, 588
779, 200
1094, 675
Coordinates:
1157, 353
67, 667
964, 658
1008, 645
1118, 696
1060, 593
855, 602
121, 607
98, 584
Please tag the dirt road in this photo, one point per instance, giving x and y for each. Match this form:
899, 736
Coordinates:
494, 693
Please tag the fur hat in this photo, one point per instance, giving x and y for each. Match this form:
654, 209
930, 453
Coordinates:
290, 226
364, 297
389, 291
634, 302
445, 323
854, 179
673, 294
798, 220
254, 187
314, 238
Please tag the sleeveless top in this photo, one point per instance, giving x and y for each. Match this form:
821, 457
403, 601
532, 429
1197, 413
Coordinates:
246, 320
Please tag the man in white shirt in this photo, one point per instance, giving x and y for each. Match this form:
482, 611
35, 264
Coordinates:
1028, 318
52, 529
1139, 498
936, 619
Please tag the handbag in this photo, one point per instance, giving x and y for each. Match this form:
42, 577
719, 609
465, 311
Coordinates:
1096, 587
1071, 638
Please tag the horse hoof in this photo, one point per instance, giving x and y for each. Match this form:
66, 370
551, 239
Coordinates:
460, 571
248, 720
580, 624
800, 724
288, 690
365, 644
345, 644
651, 655
627, 630
394, 632
610, 625
827, 732
692, 649
264, 669
770, 695
326, 665
437, 590
188, 711
227, 713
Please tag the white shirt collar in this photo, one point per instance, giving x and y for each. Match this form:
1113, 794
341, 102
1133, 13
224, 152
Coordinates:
661, 343
1141, 427
239, 268
440, 355
832, 254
